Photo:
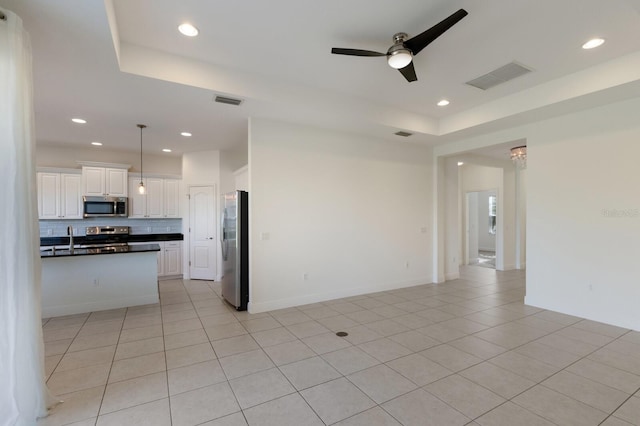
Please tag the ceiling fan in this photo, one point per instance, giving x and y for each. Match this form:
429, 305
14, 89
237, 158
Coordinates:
400, 55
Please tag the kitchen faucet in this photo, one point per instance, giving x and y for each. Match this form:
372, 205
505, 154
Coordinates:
70, 233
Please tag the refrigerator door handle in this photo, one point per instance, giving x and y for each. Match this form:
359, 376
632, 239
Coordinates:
224, 245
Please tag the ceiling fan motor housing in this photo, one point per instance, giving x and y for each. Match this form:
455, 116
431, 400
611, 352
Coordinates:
398, 55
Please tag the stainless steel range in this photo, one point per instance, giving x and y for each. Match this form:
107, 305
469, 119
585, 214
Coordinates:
106, 237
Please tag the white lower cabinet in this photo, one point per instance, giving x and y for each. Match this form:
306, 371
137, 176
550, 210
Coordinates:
169, 257
172, 258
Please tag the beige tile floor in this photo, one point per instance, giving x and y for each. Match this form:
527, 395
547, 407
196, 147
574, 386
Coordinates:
464, 352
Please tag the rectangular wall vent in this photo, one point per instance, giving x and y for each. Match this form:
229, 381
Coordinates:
228, 101
498, 76
403, 134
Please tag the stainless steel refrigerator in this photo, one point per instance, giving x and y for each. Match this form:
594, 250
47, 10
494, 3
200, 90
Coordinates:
234, 239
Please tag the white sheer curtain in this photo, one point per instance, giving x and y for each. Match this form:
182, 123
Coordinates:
23, 393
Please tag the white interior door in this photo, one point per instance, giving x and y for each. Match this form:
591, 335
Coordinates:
202, 233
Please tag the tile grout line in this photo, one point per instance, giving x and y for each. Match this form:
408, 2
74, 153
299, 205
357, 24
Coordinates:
166, 364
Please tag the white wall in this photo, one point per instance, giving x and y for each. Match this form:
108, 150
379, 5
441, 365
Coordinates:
583, 214
200, 168
581, 167
67, 157
521, 219
230, 161
451, 200
346, 210
471, 234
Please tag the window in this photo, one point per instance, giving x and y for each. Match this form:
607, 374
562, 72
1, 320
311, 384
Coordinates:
492, 214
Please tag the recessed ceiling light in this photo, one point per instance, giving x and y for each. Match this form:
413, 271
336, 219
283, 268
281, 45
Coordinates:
188, 30
79, 120
96, 143
460, 163
186, 134
166, 150
594, 42
443, 102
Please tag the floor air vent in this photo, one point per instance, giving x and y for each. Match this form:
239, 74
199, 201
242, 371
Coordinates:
498, 76
228, 101
404, 134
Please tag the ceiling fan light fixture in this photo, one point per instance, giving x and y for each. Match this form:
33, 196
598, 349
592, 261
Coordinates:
399, 58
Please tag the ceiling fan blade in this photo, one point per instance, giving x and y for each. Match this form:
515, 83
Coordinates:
419, 42
355, 52
409, 72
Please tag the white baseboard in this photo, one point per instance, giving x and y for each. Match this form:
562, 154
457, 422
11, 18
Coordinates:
582, 312
508, 268
169, 277
272, 305
452, 276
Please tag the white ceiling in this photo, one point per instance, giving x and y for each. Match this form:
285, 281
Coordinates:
117, 63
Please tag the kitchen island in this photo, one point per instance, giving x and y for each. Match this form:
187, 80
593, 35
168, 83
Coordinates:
95, 279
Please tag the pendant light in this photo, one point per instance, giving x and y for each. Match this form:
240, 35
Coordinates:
141, 188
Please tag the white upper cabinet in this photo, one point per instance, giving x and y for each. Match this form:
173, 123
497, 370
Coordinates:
155, 197
59, 196
71, 196
93, 181
116, 182
101, 181
171, 198
161, 198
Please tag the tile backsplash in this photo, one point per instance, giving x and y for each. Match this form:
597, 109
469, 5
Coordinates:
56, 228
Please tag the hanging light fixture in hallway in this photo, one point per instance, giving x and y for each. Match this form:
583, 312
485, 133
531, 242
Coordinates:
519, 156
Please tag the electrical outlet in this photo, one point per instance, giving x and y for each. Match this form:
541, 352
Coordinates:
264, 236
305, 276
406, 264
49, 231
96, 282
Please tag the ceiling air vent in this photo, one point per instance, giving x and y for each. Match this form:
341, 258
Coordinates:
403, 134
228, 101
499, 76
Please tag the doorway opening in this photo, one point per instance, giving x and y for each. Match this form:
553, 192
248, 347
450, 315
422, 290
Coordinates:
481, 228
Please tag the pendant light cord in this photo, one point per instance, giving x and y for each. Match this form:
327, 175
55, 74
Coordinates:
141, 126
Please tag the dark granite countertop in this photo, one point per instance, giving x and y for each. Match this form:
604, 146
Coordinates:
95, 251
131, 238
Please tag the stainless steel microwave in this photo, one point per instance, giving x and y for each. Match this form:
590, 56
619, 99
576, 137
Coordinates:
104, 206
